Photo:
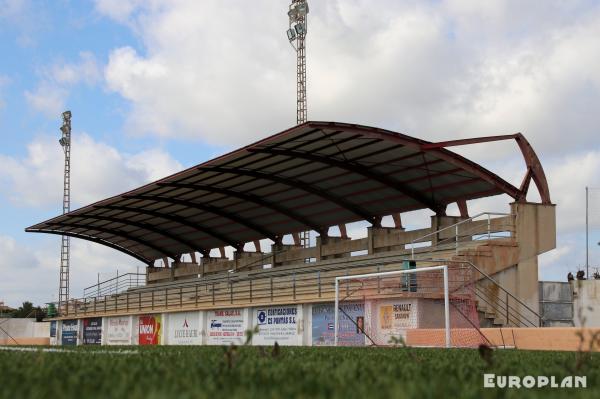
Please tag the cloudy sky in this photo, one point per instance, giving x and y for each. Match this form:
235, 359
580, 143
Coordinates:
155, 86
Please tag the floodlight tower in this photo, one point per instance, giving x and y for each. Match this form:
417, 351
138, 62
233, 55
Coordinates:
65, 142
296, 33
298, 16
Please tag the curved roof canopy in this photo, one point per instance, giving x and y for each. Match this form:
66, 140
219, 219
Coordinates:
312, 176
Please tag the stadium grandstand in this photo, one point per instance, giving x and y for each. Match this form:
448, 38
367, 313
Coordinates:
314, 177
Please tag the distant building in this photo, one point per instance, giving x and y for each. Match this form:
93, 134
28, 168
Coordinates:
4, 308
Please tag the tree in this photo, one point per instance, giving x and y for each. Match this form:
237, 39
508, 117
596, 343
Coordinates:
28, 310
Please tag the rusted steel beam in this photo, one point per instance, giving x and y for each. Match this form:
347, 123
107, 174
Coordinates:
144, 226
114, 232
294, 183
535, 169
210, 209
97, 240
357, 168
462, 208
172, 218
246, 197
475, 140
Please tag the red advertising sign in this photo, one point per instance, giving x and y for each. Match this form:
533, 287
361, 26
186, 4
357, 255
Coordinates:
150, 330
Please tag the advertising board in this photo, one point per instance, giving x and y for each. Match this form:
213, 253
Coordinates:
184, 328
150, 330
351, 324
281, 324
69, 330
92, 331
118, 330
227, 326
390, 318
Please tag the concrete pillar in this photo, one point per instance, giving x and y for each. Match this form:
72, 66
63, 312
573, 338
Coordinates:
535, 232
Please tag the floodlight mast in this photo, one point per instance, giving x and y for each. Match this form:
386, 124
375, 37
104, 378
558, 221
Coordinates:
296, 33
65, 143
298, 18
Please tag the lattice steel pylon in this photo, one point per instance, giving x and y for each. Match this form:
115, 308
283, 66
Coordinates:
65, 142
298, 16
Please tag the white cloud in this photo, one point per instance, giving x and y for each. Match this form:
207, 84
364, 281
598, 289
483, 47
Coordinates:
119, 10
433, 70
86, 71
39, 267
52, 91
4, 80
98, 171
47, 98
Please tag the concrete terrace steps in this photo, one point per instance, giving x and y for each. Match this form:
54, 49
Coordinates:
299, 283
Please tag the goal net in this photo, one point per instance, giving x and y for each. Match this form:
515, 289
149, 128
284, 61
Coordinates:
427, 306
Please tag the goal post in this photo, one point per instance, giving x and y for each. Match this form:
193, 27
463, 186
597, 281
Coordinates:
433, 306
444, 270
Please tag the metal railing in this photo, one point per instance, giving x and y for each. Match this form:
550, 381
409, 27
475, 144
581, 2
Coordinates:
300, 285
115, 285
471, 232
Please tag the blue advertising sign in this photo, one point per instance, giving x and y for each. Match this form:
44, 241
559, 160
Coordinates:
350, 324
53, 328
69, 332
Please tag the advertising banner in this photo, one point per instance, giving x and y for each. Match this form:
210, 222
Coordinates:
281, 324
118, 330
69, 331
184, 328
53, 329
351, 324
92, 331
390, 318
150, 330
226, 327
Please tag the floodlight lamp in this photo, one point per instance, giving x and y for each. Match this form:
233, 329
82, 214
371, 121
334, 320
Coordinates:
291, 35
302, 9
300, 29
63, 141
293, 14
66, 115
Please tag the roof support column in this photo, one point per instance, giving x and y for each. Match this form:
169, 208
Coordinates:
462, 207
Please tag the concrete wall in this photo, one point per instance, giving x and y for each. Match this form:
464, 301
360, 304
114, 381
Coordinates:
24, 330
556, 304
586, 303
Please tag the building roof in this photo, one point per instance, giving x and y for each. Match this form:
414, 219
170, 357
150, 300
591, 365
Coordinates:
309, 177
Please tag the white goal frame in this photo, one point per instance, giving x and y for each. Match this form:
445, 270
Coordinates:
444, 268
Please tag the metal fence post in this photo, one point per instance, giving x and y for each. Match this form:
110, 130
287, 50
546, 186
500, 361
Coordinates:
456, 241
294, 285
319, 282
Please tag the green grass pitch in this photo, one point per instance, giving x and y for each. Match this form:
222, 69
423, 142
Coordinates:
261, 372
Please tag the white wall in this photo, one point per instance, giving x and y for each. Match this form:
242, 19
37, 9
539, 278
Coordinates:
586, 303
